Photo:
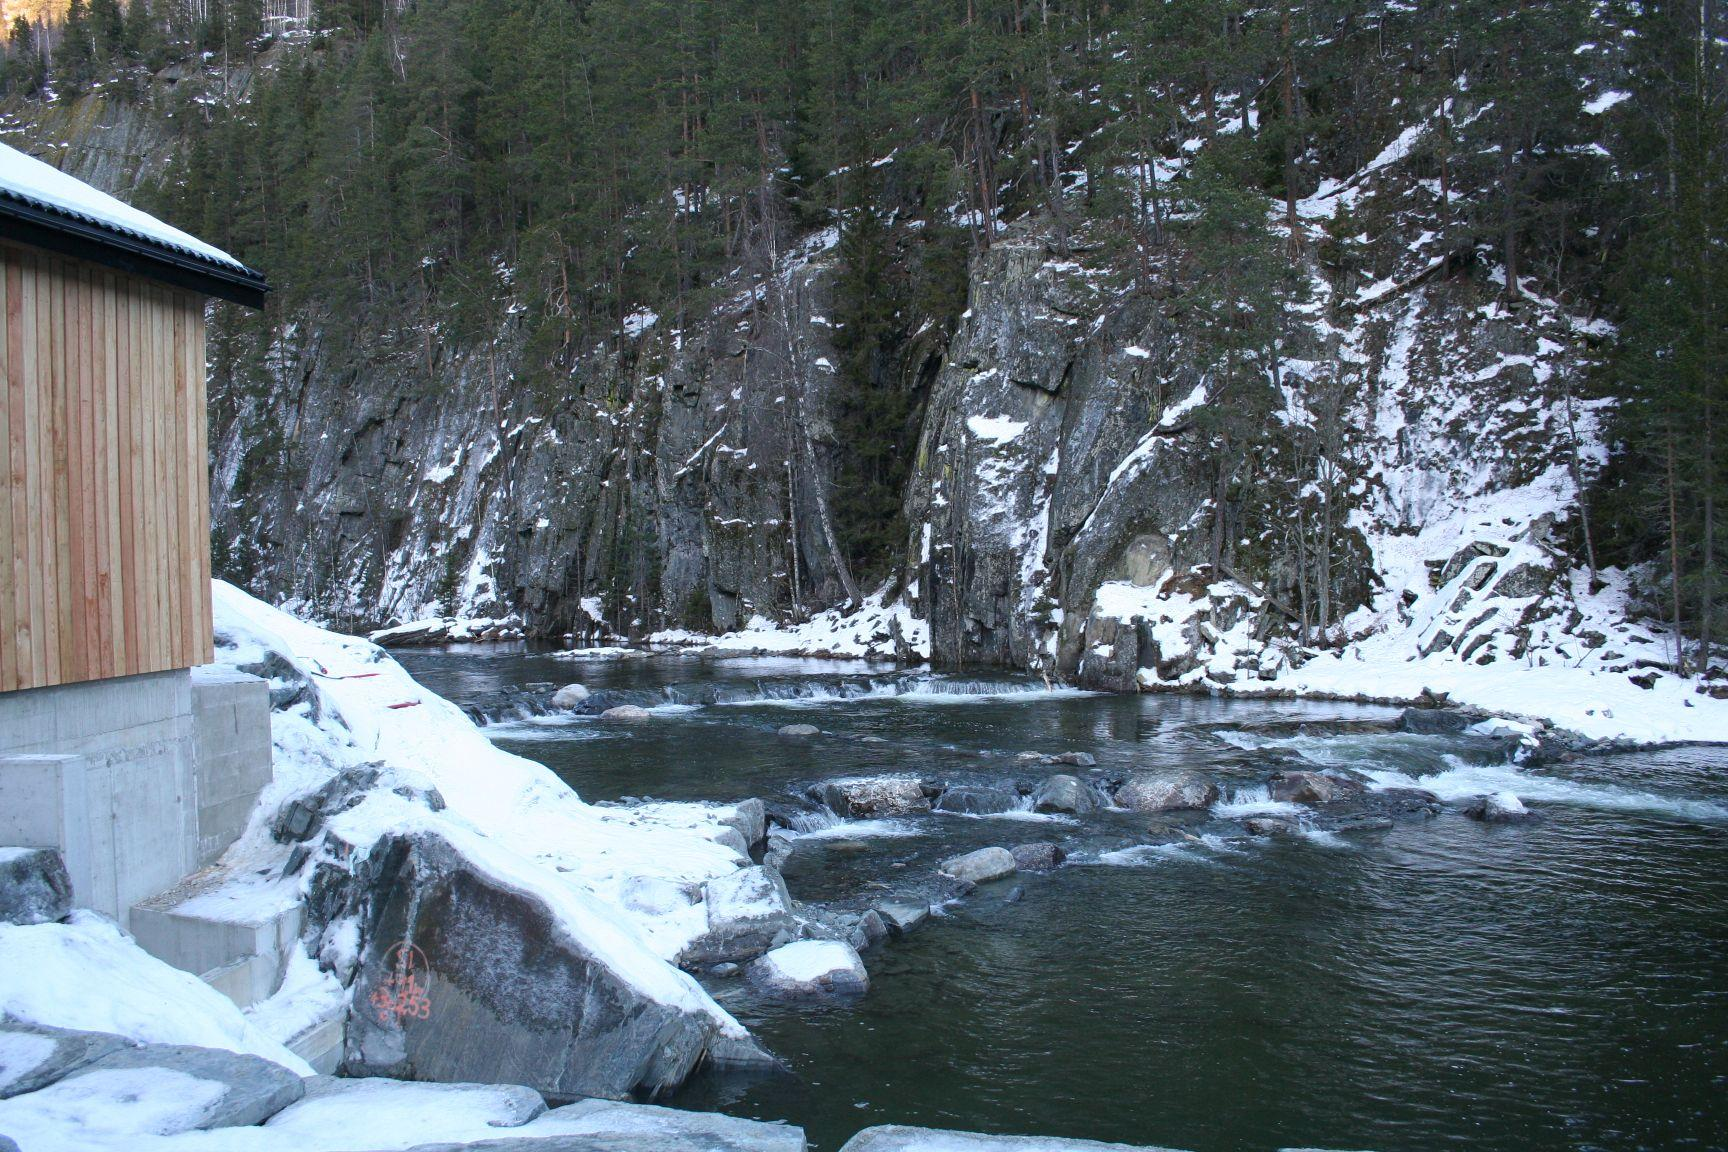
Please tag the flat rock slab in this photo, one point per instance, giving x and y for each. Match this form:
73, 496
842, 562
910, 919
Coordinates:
33, 1057
979, 867
899, 1138
34, 886
254, 1089
646, 1122
377, 1110
903, 919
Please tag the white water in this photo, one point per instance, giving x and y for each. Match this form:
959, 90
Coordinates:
1253, 800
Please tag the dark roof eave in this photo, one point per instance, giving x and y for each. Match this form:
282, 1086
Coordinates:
42, 228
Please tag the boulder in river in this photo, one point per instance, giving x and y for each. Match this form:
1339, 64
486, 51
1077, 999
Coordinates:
748, 912
1041, 856
902, 918
1302, 787
1167, 793
568, 697
866, 796
977, 800
34, 886
1073, 759
465, 976
1498, 808
810, 968
979, 867
626, 714
799, 730
1269, 826
1062, 793
1434, 721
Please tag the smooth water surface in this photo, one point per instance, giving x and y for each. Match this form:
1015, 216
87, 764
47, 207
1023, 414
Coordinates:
1445, 983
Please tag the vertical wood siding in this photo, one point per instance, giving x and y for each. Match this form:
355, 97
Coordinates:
104, 510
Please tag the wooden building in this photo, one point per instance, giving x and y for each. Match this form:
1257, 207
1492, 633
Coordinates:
104, 510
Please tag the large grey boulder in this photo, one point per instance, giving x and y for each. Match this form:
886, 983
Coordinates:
464, 978
750, 818
1434, 721
811, 968
1063, 793
796, 731
626, 714
1167, 793
749, 911
648, 1122
979, 867
34, 886
33, 1056
253, 1088
977, 800
902, 1138
875, 796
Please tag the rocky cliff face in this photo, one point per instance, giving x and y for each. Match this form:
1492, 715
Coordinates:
1066, 483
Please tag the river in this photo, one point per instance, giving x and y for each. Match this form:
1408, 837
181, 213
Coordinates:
1441, 983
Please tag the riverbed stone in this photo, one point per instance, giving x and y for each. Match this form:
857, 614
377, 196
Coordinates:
977, 800
903, 1138
903, 918
626, 714
1182, 790
1074, 759
810, 968
1063, 793
1303, 787
33, 1056
253, 1088
34, 886
1040, 856
1269, 826
980, 867
1434, 721
867, 796
569, 697
748, 910
797, 731
1499, 808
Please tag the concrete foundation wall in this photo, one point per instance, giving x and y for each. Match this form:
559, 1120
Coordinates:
104, 772
231, 750
119, 777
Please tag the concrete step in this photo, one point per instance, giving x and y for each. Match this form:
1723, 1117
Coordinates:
234, 931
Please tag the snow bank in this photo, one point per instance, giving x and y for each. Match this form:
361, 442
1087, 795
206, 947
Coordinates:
867, 633
511, 817
88, 975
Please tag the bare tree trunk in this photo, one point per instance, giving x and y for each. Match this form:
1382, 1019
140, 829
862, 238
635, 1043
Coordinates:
1674, 556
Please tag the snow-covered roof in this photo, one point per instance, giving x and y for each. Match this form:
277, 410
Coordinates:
28, 181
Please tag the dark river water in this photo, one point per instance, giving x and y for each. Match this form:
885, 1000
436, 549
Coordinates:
1445, 983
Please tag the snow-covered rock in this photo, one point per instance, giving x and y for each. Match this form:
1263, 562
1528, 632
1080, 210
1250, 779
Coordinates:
748, 912
32, 1056
1499, 808
811, 968
569, 697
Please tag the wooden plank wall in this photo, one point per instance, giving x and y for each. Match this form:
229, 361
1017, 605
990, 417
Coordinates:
104, 513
